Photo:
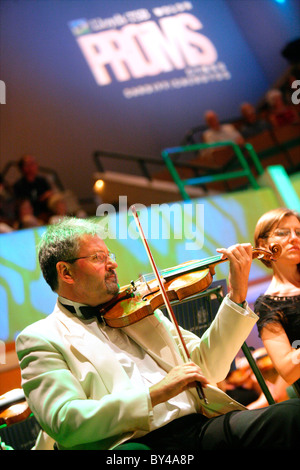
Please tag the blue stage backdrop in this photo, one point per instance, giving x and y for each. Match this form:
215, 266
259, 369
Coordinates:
163, 57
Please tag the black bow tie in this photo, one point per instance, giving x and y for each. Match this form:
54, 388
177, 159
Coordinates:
88, 312
99, 311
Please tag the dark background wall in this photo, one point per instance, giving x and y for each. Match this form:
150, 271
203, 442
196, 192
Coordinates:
56, 111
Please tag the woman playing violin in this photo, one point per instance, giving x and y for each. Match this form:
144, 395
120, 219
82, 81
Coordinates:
92, 386
279, 307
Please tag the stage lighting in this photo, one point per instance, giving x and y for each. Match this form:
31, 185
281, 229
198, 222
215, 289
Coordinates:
98, 186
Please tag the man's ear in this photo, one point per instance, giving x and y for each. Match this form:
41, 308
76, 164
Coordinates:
64, 271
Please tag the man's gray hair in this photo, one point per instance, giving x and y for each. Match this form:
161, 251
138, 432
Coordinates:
61, 242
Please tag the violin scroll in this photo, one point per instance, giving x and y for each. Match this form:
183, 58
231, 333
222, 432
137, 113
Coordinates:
272, 254
276, 250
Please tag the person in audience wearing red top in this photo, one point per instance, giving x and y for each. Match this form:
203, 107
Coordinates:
280, 114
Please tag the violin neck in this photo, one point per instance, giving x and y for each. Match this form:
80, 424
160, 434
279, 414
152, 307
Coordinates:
192, 266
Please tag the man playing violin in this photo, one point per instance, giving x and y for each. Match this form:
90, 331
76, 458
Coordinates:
91, 386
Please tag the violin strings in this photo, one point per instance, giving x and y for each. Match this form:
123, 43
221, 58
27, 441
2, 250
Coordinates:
192, 265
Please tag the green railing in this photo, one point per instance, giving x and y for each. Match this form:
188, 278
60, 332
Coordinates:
222, 176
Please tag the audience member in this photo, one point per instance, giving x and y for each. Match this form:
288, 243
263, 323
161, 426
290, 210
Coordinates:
7, 208
217, 132
280, 114
32, 186
58, 207
64, 204
25, 217
252, 124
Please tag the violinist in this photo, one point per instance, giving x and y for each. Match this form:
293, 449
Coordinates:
92, 386
279, 307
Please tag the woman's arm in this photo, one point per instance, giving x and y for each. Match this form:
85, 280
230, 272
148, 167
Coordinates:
285, 358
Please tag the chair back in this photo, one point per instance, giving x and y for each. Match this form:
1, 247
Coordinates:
197, 312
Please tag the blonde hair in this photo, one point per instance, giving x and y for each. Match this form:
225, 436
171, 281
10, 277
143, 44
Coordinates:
268, 222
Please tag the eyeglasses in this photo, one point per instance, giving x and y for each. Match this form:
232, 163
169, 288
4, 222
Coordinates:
100, 256
285, 232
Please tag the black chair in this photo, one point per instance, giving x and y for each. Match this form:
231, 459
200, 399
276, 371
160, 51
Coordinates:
18, 426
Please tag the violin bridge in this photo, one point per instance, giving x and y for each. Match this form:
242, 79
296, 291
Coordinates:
142, 280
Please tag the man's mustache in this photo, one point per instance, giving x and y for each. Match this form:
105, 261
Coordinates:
111, 274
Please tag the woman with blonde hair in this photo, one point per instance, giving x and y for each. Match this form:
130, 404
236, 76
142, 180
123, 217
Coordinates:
279, 307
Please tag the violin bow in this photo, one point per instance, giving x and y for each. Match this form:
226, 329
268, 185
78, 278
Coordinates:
166, 299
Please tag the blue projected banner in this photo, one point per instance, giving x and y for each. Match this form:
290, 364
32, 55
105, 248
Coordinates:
126, 76
152, 48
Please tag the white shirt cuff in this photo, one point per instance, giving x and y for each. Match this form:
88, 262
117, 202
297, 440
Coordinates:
243, 311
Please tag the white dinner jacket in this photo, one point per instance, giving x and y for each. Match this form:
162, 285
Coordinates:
82, 396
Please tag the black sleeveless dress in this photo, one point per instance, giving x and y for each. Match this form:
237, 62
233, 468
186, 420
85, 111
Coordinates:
282, 310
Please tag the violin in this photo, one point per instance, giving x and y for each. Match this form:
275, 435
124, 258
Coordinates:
142, 297
238, 376
134, 304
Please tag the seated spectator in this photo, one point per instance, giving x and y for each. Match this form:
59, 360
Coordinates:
7, 208
63, 204
5, 228
253, 124
25, 215
34, 187
280, 114
58, 207
217, 132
